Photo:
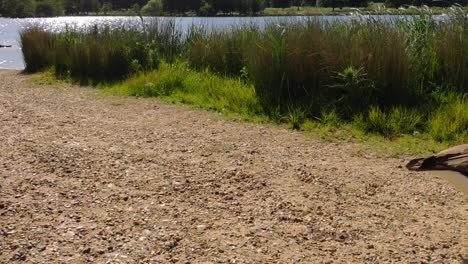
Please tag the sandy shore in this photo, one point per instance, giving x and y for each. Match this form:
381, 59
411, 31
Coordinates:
86, 178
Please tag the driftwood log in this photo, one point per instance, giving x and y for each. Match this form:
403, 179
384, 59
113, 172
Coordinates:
450, 164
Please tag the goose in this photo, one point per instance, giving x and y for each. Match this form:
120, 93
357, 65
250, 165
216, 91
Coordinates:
450, 164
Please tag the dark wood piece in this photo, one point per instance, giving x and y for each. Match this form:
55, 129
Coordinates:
455, 159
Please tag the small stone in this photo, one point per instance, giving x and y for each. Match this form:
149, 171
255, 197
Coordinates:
170, 245
69, 234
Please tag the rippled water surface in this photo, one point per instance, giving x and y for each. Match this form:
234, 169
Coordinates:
12, 58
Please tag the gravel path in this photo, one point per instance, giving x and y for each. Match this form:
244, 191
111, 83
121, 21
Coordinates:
86, 178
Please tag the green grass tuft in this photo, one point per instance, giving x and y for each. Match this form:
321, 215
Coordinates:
179, 83
296, 117
450, 122
397, 121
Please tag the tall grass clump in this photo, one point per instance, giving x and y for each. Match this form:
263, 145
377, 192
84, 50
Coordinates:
98, 56
304, 63
450, 122
218, 51
36, 45
265, 62
381, 72
166, 36
451, 46
100, 53
423, 61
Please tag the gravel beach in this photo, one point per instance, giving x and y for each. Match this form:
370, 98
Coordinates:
86, 178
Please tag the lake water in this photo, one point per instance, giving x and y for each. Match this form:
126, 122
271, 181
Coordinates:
12, 58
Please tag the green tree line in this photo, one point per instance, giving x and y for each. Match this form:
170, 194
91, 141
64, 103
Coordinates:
30, 8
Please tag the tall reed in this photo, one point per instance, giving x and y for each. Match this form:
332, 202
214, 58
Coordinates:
37, 47
100, 53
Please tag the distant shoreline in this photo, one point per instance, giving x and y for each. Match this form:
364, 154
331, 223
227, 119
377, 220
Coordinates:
274, 12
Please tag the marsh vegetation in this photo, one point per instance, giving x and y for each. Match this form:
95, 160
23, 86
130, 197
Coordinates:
394, 77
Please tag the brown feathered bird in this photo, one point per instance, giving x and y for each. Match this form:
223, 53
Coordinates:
450, 164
